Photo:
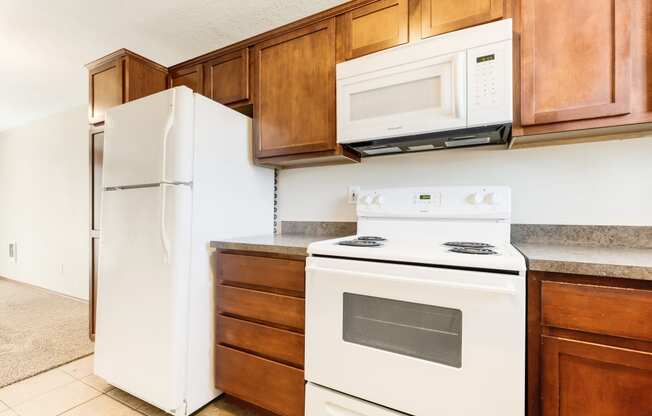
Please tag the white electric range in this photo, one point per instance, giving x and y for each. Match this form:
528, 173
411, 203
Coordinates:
423, 312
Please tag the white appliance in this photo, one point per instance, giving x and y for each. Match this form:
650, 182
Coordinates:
177, 174
450, 90
429, 321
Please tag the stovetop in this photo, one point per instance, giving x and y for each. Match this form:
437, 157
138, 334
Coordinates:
471, 254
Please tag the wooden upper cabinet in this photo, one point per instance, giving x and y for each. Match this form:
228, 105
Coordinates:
295, 92
441, 16
371, 28
576, 60
105, 88
588, 379
121, 77
226, 78
191, 77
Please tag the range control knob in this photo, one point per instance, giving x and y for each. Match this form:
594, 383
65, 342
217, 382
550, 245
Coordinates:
475, 198
378, 200
490, 198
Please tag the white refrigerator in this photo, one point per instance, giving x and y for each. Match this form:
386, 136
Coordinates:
177, 174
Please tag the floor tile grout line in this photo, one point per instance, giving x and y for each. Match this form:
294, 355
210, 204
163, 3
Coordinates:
126, 404
74, 407
40, 395
95, 388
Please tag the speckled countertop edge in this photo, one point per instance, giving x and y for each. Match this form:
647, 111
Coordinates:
285, 244
621, 262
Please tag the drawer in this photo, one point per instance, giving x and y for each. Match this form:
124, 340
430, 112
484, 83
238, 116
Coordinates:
323, 401
285, 311
273, 343
615, 311
262, 272
270, 385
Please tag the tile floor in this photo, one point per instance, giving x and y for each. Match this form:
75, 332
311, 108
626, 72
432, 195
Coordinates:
73, 390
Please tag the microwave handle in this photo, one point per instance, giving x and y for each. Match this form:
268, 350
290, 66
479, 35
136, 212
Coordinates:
459, 84
500, 290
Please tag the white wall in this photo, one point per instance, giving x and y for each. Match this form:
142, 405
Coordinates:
44, 202
608, 183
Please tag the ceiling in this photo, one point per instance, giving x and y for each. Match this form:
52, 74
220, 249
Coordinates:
44, 44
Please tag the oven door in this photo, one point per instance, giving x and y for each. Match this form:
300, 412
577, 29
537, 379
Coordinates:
421, 340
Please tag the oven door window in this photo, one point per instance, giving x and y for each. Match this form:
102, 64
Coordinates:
427, 332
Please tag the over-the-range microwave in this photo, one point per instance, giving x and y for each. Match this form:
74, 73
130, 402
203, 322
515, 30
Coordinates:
450, 90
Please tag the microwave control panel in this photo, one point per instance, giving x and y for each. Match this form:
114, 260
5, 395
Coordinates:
490, 84
484, 90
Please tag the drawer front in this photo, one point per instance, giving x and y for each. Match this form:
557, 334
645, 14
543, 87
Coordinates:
603, 310
286, 311
264, 272
272, 386
323, 401
273, 343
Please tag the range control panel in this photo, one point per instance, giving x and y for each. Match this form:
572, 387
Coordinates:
476, 202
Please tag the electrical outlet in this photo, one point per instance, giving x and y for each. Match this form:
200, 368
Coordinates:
12, 252
353, 194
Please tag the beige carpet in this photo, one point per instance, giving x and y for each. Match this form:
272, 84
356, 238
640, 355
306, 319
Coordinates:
39, 330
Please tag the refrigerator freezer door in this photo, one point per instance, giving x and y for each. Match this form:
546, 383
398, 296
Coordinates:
142, 305
150, 140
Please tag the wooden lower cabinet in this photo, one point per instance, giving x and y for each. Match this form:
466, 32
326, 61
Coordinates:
260, 323
92, 296
269, 308
589, 379
589, 346
273, 386
96, 157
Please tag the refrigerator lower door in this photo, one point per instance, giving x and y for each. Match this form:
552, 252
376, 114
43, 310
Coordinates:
142, 305
150, 140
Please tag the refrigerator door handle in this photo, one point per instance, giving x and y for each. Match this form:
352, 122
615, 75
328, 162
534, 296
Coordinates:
168, 127
164, 233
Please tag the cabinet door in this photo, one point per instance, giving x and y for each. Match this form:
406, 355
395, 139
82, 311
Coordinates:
376, 26
295, 92
441, 16
92, 304
575, 60
105, 89
226, 79
586, 379
97, 158
192, 77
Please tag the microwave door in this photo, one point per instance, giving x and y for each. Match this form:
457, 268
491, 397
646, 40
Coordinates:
420, 97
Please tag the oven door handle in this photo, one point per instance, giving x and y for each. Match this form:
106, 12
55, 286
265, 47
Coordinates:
508, 289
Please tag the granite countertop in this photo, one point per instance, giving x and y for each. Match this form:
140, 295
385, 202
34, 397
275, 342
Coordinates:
287, 244
624, 262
